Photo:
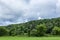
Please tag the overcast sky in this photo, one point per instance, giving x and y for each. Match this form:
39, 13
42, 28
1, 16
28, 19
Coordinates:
18, 11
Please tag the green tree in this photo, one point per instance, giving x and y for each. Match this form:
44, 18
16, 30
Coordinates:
34, 32
56, 31
41, 29
3, 31
12, 32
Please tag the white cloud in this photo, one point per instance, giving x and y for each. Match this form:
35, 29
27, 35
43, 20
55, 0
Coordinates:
39, 18
58, 8
17, 11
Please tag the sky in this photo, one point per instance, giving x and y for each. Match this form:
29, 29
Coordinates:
20, 11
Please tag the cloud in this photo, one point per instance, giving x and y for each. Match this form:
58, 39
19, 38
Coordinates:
58, 8
18, 11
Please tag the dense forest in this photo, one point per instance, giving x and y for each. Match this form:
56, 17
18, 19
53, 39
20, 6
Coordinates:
35, 28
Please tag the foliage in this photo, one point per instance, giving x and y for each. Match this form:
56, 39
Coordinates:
40, 27
34, 32
3, 31
56, 31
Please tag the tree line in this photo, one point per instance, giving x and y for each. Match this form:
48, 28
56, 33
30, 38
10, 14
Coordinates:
36, 28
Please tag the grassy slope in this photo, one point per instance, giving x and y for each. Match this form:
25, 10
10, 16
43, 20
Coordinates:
29, 38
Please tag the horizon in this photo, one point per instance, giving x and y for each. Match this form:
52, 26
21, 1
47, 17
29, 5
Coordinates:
26, 22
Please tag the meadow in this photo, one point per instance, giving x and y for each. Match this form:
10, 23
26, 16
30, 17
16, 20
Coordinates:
29, 38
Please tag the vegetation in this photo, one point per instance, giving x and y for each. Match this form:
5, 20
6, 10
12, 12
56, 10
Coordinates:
29, 38
3, 31
56, 31
36, 28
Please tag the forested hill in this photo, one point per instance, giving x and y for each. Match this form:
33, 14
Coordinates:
41, 27
47, 22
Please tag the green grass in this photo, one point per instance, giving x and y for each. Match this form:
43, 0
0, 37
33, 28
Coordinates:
29, 38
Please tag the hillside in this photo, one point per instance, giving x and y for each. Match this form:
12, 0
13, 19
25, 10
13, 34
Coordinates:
41, 27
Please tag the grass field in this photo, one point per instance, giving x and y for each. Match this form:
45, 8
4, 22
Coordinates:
29, 38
